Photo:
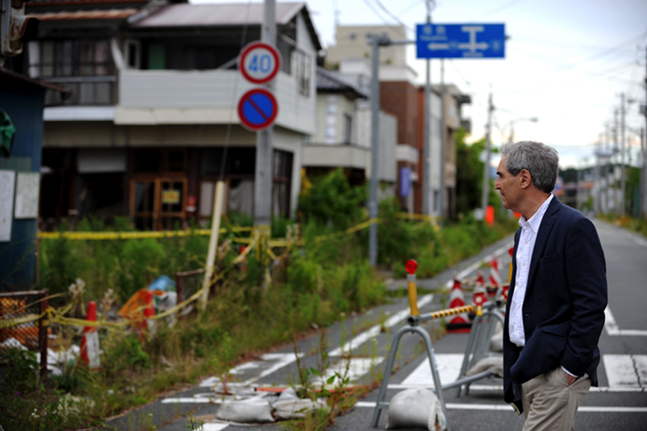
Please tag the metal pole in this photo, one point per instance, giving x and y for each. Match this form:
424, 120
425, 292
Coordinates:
643, 173
375, 112
598, 189
426, 166
443, 131
615, 159
263, 177
622, 155
486, 170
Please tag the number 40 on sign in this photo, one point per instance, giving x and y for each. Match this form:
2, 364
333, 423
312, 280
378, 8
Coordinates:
259, 62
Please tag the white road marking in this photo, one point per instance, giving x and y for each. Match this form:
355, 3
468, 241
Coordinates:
612, 328
357, 368
280, 360
449, 367
476, 265
505, 407
374, 331
214, 427
626, 370
186, 400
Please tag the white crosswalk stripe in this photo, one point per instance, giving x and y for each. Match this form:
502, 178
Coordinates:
626, 371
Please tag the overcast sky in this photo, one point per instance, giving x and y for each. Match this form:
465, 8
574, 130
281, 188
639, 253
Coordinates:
567, 62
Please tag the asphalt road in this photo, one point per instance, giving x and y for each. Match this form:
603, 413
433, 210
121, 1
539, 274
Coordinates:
620, 403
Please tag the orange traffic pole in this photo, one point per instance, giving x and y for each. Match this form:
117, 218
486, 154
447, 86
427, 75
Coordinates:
411, 267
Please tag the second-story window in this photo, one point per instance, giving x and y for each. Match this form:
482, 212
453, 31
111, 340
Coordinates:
302, 70
84, 66
70, 57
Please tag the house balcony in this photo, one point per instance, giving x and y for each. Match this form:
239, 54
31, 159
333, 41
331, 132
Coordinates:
151, 97
155, 97
340, 155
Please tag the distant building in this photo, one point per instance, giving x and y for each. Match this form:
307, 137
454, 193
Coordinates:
402, 96
151, 123
343, 138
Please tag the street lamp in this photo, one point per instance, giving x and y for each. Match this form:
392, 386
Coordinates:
517, 120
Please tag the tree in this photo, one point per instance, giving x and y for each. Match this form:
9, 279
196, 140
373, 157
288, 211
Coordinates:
469, 173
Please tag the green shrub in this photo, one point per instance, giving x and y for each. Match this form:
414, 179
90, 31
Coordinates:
333, 202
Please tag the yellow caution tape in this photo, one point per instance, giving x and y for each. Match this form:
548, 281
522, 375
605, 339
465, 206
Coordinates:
15, 321
136, 235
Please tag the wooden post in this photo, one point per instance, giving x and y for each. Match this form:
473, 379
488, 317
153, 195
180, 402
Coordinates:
213, 243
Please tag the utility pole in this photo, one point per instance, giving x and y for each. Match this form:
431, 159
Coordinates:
443, 129
598, 181
263, 178
486, 170
426, 135
614, 158
622, 154
375, 112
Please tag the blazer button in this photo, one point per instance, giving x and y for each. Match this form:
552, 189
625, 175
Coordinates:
526, 314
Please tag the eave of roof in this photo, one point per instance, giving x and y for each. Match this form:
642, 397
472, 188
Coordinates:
328, 82
36, 82
40, 4
85, 14
224, 14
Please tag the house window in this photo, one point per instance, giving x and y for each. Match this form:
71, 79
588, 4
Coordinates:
347, 128
84, 66
133, 54
302, 70
70, 57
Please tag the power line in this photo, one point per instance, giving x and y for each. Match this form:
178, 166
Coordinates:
388, 12
600, 54
459, 72
376, 12
499, 9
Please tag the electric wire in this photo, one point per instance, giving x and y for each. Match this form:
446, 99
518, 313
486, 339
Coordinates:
376, 12
388, 12
499, 9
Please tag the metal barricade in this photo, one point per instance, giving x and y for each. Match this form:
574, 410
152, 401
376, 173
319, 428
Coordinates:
477, 346
22, 320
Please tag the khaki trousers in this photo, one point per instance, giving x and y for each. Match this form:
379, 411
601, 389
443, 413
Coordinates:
549, 404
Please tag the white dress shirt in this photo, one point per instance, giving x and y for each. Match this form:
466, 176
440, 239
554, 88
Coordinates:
529, 229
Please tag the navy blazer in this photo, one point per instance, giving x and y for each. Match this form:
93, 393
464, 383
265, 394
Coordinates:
563, 311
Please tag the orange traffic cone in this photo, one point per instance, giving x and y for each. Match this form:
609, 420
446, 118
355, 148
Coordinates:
495, 275
459, 323
90, 340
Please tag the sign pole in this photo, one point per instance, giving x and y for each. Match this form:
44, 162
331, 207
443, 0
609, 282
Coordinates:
426, 165
375, 112
263, 176
486, 168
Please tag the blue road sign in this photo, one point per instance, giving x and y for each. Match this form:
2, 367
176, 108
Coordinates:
405, 181
460, 40
257, 109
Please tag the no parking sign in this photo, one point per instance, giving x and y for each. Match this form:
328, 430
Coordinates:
257, 109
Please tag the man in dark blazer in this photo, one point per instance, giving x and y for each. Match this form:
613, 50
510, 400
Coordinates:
558, 293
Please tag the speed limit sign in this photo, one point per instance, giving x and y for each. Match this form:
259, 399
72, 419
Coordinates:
259, 62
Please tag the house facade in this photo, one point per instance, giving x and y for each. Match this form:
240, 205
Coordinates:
151, 123
402, 96
343, 138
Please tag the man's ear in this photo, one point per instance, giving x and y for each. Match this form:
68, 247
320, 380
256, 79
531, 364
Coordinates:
525, 178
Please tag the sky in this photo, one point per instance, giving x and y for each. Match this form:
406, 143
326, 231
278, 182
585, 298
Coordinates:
567, 64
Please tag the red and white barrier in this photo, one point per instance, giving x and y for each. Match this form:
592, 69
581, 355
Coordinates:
90, 340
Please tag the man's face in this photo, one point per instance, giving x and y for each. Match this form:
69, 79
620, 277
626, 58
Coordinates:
508, 186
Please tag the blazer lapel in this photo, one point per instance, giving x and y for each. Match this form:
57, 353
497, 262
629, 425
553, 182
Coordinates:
542, 236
